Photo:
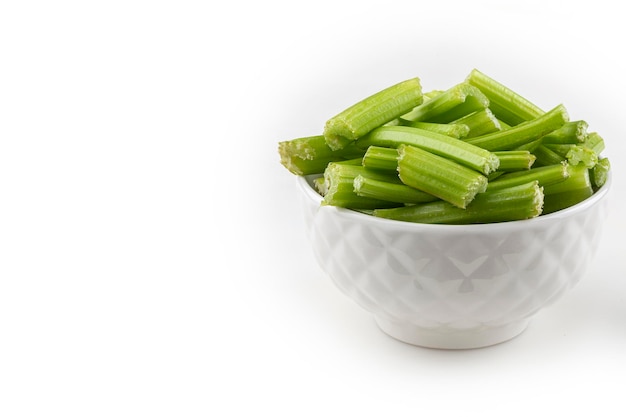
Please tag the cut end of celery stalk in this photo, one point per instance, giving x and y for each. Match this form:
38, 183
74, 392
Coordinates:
439, 176
506, 104
372, 112
454, 103
579, 154
521, 202
311, 154
599, 174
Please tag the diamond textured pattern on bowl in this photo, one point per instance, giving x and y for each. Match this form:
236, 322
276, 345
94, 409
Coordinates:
453, 278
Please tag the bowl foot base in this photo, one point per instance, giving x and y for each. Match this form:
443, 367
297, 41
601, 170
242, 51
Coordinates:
451, 339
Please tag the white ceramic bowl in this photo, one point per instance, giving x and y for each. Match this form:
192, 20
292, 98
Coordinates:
453, 286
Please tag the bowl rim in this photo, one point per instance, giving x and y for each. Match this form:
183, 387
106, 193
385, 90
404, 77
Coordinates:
305, 184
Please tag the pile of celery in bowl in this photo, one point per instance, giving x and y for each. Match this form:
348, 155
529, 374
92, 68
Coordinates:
476, 153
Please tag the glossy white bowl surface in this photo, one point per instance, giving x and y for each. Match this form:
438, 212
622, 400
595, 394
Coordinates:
453, 286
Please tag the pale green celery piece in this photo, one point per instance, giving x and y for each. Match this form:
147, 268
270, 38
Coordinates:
600, 173
355, 161
480, 123
388, 191
561, 149
543, 175
381, 159
425, 97
494, 175
520, 202
546, 156
503, 126
523, 133
576, 188
439, 176
515, 160
580, 154
508, 106
310, 155
320, 185
452, 104
429, 95
339, 186
595, 142
530, 146
459, 151
570, 132
372, 112
457, 130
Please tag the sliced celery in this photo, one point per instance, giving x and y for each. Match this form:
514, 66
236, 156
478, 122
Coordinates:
530, 146
452, 104
570, 132
595, 142
523, 133
546, 156
515, 160
459, 151
599, 174
561, 149
339, 187
456, 130
506, 104
586, 152
580, 154
389, 191
381, 159
439, 176
480, 123
543, 175
576, 188
320, 185
372, 112
311, 154
514, 203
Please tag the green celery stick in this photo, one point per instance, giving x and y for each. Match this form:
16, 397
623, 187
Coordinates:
452, 104
570, 132
530, 146
354, 161
459, 151
543, 175
381, 159
560, 149
372, 112
514, 203
585, 151
388, 191
595, 142
311, 154
480, 123
576, 188
339, 187
439, 176
515, 160
320, 185
546, 156
503, 125
495, 174
507, 105
600, 173
457, 130
429, 95
523, 133
581, 154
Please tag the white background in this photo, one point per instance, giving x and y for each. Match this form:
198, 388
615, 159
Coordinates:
152, 253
